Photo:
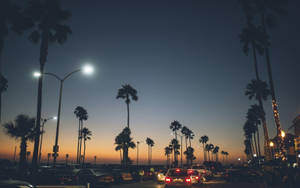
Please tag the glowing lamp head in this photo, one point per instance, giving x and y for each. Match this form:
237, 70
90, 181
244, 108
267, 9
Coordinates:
271, 144
88, 69
37, 74
254, 155
54, 118
239, 159
282, 133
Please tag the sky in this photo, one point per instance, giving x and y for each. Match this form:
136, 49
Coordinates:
183, 57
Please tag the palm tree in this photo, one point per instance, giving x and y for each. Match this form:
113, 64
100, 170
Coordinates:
185, 132
255, 115
175, 126
168, 151
268, 11
259, 90
223, 153
47, 18
226, 154
215, 151
3, 88
22, 129
190, 155
204, 140
86, 135
250, 130
150, 144
82, 115
190, 136
175, 146
209, 148
128, 93
124, 142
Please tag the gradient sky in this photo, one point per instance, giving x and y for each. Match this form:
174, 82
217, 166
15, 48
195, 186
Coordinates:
183, 57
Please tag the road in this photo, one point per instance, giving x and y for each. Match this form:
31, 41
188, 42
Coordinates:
210, 184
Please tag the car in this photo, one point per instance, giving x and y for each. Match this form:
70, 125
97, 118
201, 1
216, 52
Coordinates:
95, 177
15, 184
204, 172
178, 177
195, 176
161, 175
122, 176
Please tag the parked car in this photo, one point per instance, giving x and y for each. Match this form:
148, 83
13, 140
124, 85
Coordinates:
177, 177
96, 177
15, 184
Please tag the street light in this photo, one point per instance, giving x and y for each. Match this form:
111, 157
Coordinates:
44, 121
86, 69
271, 144
282, 133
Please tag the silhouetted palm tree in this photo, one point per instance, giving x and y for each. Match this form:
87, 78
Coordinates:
190, 155
204, 140
150, 144
168, 151
209, 148
47, 18
185, 132
124, 142
23, 130
127, 92
175, 126
223, 154
190, 136
82, 115
255, 115
269, 11
250, 130
86, 135
175, 147
215, 151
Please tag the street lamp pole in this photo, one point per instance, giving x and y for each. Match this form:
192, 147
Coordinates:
181, 150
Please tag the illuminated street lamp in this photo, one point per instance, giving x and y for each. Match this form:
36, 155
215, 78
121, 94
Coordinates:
282, 134
87, 70
254, 155
271, 144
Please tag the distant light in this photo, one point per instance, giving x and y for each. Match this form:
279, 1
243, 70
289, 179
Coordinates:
254, 155
271, 144
239, 159
36, 74
282, 134
298, 155
55, 118
88, 69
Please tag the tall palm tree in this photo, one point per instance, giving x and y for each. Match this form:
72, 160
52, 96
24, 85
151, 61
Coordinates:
82, 115
223, 153
255, 115
190, 155
256, 38
47, 18
185, 132
168, 151
175, 126
250, 130
21, 129
269, 11
215, 151
204, 139
258, 90
128, 93
190, 136
150, 144
3, 88
175, 147
124, 142
209, 148
86, 135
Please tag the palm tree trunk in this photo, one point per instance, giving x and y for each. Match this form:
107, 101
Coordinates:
22, 162
80, 141
148, 155
43, 59
77, 159
258, 142
269, 68
127, 103
84, 147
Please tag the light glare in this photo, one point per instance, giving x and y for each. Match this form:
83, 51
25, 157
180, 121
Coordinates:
37, 74
88, 69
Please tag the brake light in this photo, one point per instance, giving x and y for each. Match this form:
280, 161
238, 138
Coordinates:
197, 177
177, 170
188, 180
190, 171
168, 180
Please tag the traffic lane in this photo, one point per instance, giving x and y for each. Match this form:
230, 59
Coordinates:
210, 184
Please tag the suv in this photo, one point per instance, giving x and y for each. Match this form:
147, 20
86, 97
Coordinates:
177, 177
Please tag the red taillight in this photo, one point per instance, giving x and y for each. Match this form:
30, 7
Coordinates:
190, 171
168, 180
197, 177
188, 180
177, 170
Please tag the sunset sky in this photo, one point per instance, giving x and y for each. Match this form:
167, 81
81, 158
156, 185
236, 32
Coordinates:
183, 57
